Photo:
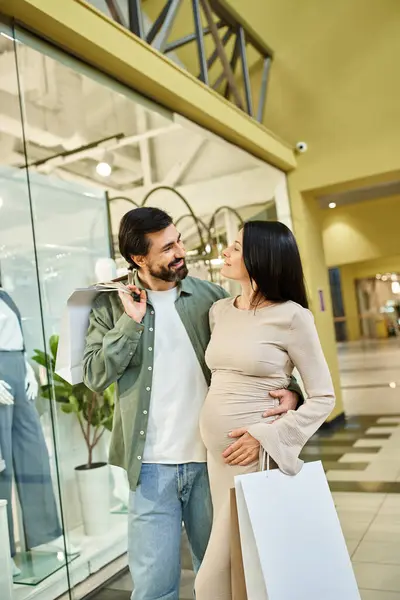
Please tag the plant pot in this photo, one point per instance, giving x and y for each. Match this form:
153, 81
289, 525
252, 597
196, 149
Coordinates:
94, 495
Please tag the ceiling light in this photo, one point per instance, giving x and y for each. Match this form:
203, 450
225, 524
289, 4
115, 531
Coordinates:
103, 169
378, 276
396, 287
332, 204
392, 384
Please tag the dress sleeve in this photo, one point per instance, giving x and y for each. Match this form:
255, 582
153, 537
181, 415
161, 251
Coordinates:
285, 438
212, 315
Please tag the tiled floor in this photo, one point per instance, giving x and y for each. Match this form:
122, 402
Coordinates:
362, 463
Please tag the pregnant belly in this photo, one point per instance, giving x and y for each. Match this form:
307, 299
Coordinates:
233, 405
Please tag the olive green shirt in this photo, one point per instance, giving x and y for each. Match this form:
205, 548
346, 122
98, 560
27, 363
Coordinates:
119, 350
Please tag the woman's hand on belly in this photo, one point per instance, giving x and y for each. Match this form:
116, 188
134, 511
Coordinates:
244, 451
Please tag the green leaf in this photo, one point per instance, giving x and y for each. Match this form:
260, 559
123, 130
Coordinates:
40, 358
53, 343
67, 408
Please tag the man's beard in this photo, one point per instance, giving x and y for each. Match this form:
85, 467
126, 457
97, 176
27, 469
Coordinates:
169, 273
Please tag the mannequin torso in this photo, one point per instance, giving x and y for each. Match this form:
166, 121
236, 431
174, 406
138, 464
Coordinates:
10, 330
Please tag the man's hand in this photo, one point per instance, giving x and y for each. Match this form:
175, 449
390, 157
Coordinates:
287, 401
135, 310
244, 451
5, 394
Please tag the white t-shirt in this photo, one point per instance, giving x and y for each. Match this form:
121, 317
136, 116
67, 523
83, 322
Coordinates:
10, 330
178, 390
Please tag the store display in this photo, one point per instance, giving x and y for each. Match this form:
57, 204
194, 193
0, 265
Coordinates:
6, 571
23, 446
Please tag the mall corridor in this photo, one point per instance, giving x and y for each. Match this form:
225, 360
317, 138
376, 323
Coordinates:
217, 114
362, 462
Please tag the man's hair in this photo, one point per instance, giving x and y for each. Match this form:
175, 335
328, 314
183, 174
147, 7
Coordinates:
133, 230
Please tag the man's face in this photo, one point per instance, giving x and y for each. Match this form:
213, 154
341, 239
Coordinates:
166, 257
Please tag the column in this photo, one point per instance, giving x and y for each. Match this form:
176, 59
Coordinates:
307, 229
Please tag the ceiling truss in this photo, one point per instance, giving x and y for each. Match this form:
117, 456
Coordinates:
213, 12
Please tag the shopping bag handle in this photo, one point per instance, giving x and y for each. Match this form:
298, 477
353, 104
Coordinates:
263, 458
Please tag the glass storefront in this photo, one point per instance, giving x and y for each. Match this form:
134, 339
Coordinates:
77, 150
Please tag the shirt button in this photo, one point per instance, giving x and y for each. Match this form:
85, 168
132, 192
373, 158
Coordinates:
145, 412
152, 312
151, 329
130, 353
139, 458
150, 349
150, 369
142, 433
147, 389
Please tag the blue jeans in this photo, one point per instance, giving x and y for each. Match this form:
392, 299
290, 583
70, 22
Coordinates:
166, 496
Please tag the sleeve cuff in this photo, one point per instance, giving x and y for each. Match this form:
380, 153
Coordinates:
129, 327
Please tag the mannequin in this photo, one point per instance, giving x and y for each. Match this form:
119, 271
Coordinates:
23, 448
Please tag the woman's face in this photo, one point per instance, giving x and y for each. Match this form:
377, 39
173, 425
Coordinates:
234, 267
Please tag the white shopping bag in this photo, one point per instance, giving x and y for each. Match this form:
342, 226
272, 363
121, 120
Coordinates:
292, 542
73, 330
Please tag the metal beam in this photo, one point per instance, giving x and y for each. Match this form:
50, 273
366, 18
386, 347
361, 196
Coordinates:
233, 63
201, 52
144, 147
245, 70
161, 38
176, 173
225, 39
227, 13
118, 141
263, 89
219, 80
158, 23
135, 17
187, 39
115, 12
221, 51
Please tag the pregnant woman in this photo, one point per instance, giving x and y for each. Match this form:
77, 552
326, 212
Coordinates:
257, 340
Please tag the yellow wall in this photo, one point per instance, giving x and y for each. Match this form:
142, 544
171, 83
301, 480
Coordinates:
361, 232
334, 83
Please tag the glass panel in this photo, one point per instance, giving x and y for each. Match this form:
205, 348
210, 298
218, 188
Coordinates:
28, 466
83, 138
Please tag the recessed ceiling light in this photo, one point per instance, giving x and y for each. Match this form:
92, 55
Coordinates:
332, 204
103, 169
392, 384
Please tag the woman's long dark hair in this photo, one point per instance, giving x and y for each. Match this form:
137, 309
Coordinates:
273, 262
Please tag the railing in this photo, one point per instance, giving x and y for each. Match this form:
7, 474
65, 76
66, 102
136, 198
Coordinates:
210, 18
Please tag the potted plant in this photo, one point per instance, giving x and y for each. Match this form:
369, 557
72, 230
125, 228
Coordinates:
94, 413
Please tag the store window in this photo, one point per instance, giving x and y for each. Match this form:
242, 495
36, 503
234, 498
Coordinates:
78, 150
